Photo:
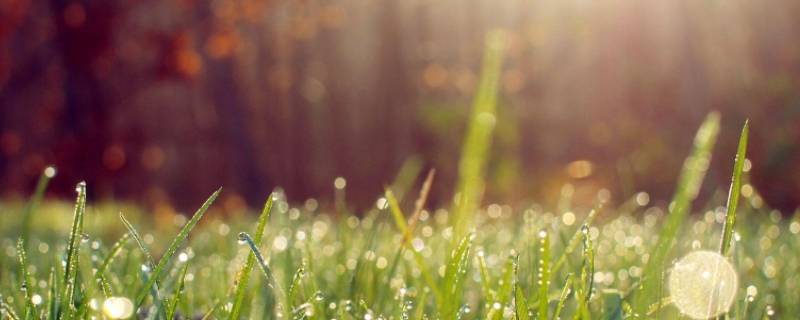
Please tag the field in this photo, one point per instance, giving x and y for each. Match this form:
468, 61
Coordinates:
298, 262
404, 260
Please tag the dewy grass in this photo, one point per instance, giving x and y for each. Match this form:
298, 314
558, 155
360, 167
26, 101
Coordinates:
173, 247
429, 280
244, 274
70, 284
735, 190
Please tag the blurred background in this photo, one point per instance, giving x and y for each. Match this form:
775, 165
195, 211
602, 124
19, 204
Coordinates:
162, 101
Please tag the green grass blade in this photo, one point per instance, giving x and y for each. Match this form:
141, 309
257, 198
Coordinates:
562, 299
151, 265
454, 274
244, 274
173, 303
576, 238
506, 290
689, 182
475, 152
521, 304
73, 248
173, 247
44, 179
113, 253
400, 220
733, 193
272, 283
544, 273
52, 295
486, 279
25, 284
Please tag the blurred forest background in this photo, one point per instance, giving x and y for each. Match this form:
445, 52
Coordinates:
161, 101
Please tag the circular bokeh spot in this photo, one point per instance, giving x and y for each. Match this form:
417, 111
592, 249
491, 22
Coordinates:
703, 284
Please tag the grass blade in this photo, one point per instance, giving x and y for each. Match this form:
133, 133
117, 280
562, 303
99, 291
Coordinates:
173, 247
454, 274
474, 155
112, 253
689, 182
25, 284
36, 198
562, 299
73, 248
576, 238
173, 304
486, 280
265, 269
736, 188
244, 274
147, 256
544, 273
506, 290
400, 220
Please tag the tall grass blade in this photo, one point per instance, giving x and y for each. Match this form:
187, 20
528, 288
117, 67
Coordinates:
733, 193
244, 274
689, 182
173, 247
73, 248
41, 185
478, 138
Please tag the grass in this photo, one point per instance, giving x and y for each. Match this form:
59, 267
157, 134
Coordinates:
462, 263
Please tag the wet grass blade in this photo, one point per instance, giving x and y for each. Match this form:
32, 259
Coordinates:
272, 283
173, 247
733, 193
475, 151
138, 238
176, 296
454, 274
151, 265
244, 274
544, 273
25, 283
506, 290
576, 238
486, 279
52, 295
691, 178
562, 299
73, 248
112, 253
